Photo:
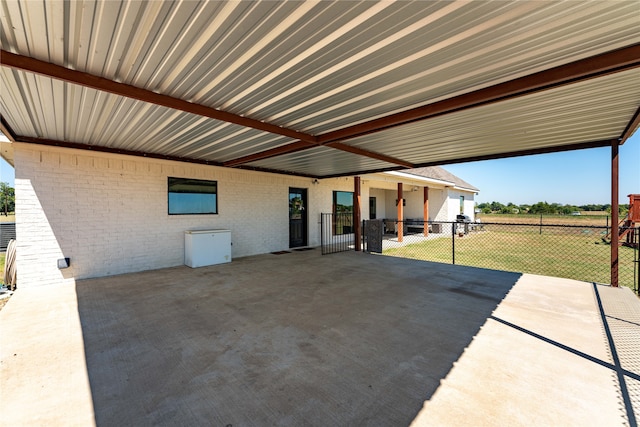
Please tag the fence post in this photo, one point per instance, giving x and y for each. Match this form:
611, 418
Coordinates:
453, 243
636, 261
540, 222
322, 237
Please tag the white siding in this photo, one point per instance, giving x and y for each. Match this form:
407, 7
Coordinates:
108, 212
454, 204
381, 211
438, 205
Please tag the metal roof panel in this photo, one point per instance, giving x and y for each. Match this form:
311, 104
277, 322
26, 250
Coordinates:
316, 67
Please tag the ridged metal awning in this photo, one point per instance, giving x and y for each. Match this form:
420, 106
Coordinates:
320, 88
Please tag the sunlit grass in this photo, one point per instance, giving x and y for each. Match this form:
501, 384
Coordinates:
575, 254
8, 218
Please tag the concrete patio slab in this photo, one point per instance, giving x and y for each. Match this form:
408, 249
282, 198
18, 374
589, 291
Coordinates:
304, 339
542, 358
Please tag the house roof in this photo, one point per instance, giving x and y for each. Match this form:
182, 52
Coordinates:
321, 89
436, 172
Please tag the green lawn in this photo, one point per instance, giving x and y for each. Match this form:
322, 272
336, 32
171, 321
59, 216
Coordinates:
9, 218
577, 254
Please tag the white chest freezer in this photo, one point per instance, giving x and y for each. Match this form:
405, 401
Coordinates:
207, 247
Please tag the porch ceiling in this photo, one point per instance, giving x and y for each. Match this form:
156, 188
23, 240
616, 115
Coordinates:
319, 88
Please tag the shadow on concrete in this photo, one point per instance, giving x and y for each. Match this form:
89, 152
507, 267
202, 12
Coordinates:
344, 339
628, 335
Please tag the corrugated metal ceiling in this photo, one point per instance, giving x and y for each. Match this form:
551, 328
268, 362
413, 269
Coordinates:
42, 107
589, 111
315, 67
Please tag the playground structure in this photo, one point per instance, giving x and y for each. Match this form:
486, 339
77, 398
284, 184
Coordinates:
626, 227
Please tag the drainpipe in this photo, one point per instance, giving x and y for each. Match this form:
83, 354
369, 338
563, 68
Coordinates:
357, 214
615, 229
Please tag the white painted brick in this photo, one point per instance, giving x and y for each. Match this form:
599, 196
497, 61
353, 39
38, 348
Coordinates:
108, 212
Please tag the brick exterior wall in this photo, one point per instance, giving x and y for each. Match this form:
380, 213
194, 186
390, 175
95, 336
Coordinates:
108, 212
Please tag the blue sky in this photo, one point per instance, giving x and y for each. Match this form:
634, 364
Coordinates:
575, 177
578, 177
6, 172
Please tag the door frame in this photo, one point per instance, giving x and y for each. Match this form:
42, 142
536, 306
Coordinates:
305, 216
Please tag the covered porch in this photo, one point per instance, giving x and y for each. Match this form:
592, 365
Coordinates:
299, 338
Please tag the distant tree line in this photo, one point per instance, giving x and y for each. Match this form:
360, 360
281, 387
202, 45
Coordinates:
545, 208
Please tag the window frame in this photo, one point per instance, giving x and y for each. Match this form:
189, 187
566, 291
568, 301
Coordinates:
373, 207
335, 224
197, 182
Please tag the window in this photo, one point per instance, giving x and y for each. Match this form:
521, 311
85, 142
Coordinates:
372, 208
342, 212
461, 204
192, 196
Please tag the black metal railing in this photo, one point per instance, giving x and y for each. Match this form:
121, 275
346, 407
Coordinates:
580, 252
7, 233
336, 231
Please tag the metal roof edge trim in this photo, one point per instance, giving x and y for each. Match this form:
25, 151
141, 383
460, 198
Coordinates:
631, 128
530, 152
101, 149
420, 178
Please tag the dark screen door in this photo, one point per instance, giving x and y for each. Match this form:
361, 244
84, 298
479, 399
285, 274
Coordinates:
297, 217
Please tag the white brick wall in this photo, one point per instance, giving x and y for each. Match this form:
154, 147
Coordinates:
108, 212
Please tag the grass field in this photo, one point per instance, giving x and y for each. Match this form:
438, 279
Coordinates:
579, 254
2, 257
9, 218
595, 219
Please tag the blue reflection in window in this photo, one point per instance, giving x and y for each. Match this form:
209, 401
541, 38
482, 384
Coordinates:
192, 196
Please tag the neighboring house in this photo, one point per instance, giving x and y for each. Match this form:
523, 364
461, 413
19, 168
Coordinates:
110, 213
447, 194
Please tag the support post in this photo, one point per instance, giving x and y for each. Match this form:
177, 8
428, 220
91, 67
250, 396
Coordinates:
425, 211
357, 214
615, 229
400, 212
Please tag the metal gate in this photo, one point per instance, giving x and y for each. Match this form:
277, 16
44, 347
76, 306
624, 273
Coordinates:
372, 231
336, 232
634, 241
7, 232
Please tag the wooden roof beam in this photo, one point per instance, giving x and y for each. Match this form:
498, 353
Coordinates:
54, 71
588, 68
631, 127
301, 145
6, 129
371, 154
584, 69
25, 63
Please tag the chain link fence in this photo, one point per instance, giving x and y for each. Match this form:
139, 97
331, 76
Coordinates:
570, 251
